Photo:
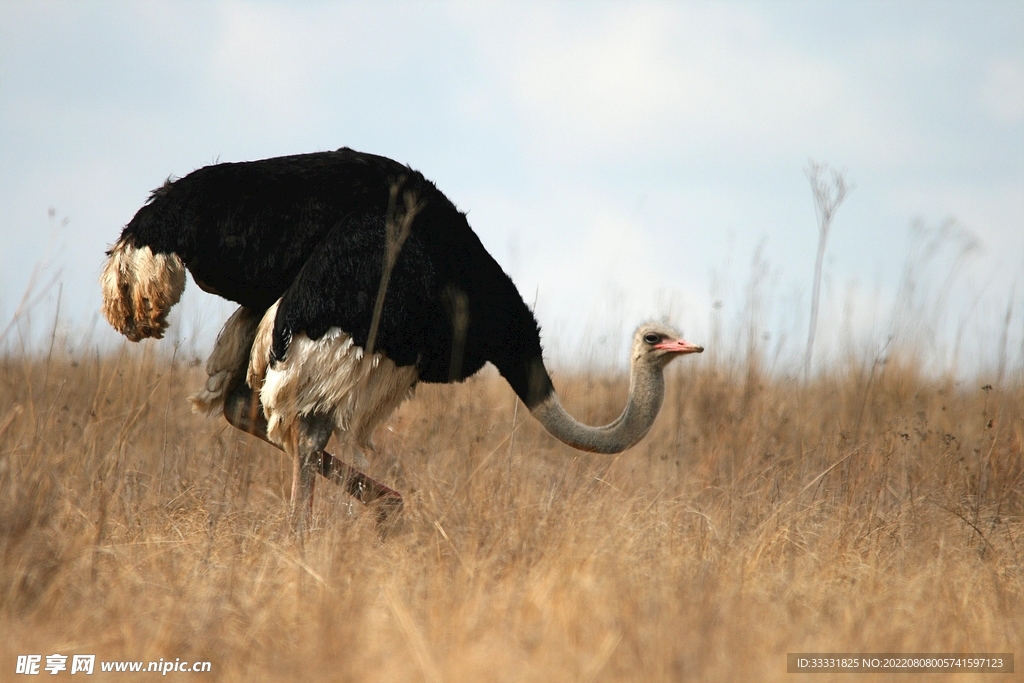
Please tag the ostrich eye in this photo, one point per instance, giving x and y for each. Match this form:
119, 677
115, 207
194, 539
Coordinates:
652, 338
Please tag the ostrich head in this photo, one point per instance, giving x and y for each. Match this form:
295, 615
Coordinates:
656, 345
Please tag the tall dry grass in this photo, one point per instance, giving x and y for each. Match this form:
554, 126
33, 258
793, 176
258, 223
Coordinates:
871, 510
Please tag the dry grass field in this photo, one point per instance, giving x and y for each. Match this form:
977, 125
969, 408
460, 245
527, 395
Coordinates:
875, 510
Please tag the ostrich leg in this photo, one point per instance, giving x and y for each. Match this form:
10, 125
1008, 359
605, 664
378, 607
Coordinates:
313, 434
242, 410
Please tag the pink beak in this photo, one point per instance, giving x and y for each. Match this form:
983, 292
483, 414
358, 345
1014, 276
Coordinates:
679, 346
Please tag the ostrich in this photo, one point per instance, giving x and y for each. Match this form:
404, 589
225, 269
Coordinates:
356, 278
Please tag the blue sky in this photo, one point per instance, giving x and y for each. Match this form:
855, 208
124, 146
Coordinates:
621, 160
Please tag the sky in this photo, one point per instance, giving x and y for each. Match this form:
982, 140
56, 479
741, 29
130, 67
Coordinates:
623, 161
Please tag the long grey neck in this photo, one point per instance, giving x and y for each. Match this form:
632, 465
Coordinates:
646, 392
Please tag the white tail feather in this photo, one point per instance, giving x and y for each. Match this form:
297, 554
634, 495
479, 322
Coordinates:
139, 289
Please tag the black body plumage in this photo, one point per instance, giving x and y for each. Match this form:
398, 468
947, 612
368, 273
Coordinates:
310, 229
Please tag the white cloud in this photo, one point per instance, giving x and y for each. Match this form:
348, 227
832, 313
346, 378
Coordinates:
1002, 90
619, 145
680, 80
258, 62
994, 212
